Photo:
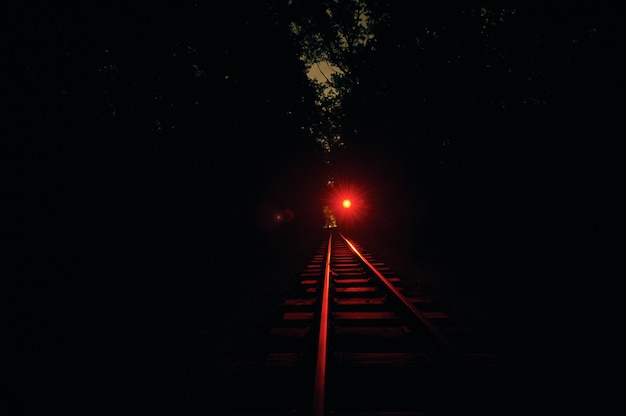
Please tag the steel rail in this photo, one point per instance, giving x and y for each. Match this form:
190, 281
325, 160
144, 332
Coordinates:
322, 344
416, 312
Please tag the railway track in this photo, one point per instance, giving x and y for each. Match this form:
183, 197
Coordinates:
351, 340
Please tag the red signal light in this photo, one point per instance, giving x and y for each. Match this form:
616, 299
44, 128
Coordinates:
346, 205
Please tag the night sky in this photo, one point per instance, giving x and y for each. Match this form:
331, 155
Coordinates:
485, 137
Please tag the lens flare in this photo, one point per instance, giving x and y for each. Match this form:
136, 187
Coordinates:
348, 205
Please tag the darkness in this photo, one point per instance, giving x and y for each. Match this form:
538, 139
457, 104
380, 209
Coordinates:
145, 147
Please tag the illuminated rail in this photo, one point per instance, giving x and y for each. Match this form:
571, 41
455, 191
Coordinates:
322, 345
319, 405
351, 340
